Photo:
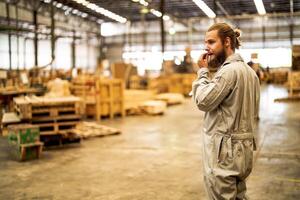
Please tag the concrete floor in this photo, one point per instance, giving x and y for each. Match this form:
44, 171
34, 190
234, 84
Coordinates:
158, 157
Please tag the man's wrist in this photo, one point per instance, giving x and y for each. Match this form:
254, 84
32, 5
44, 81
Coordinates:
202, 71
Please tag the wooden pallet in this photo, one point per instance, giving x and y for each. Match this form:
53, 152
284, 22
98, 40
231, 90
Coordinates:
55, 117
92, 129
31, 108
54, 127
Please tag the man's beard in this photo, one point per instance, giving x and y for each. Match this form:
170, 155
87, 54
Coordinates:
217, 61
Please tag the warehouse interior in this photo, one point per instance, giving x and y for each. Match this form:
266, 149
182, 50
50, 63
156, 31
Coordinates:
95, 97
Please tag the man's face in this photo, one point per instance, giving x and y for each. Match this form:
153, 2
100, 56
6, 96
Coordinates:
215, 49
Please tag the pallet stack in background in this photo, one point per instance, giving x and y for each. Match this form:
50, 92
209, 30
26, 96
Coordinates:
173, 83
55, 117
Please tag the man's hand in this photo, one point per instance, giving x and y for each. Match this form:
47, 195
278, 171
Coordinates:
202, 62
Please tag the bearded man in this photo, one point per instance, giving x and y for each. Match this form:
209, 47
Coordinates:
230, 101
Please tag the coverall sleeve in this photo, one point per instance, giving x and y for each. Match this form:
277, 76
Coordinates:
208, 94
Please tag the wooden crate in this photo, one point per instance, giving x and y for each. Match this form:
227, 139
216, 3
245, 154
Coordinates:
23, 134
24, 141
108, 100
294, 82
26, 151
158, 84
135, 82
279, 76
175, 84
187, 80
102, 97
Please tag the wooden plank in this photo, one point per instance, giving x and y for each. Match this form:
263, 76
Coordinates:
92, 129
153, 107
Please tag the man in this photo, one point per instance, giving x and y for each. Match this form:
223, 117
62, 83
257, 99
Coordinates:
230, 101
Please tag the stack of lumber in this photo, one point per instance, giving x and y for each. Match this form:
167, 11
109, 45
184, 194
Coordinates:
170, 98
92, 129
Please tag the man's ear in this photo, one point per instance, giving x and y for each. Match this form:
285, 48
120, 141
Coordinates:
227, 42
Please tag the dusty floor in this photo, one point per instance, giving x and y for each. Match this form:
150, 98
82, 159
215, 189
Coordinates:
158, 157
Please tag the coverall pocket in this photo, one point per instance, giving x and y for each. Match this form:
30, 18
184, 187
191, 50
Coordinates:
243, 157
221, 149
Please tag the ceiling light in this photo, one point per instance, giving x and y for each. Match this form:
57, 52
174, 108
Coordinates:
172, 31
65, 7
75, 12
144, 10
59, 5
135, 0
84, 15
166, 17
260, 7
102, 11
205, 8
156, 13
144, 3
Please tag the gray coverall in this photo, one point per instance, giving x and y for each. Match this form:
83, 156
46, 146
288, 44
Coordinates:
230, 101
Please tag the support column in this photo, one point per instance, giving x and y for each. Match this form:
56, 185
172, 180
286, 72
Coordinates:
162, 26
9, 35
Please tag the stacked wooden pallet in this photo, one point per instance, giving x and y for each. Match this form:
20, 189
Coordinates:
53, 116
103, 97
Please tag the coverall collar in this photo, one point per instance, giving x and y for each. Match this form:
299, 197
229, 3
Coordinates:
233, 58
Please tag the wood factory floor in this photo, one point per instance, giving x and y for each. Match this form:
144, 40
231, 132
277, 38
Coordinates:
158, 158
